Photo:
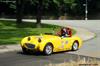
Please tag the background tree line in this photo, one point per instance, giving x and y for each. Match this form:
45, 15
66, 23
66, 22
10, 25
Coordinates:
71, 9
51, 7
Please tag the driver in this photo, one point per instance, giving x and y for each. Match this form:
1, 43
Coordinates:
65, 32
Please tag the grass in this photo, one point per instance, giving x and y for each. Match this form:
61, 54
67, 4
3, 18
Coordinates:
10, 33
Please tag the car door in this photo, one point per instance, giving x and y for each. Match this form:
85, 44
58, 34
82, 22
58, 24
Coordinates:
65, 42
61, 44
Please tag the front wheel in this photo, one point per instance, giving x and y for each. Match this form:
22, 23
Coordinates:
75, 46
48, 50
25, 50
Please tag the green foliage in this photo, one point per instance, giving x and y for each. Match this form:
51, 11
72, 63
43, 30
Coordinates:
44, 2
57, 2
13, 6
12, 34
55, 8
69, 1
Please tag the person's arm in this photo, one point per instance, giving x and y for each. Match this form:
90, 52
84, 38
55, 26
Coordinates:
58, 33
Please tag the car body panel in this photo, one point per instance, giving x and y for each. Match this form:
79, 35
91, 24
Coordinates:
59, 43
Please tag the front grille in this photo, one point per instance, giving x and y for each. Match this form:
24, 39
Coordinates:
30, 46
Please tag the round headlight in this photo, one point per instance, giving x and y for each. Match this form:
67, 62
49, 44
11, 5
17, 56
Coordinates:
39, 40
29, 38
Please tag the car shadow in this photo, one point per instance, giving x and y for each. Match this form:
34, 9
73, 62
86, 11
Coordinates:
41, 54
35, 54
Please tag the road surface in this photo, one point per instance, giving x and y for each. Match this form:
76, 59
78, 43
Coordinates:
89, 48
20, 59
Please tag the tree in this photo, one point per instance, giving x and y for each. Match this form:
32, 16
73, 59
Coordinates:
39, 4
39, 13
19, 10
65, 6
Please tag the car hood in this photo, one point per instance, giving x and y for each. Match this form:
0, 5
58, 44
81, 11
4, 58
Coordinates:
45, 37
36, 38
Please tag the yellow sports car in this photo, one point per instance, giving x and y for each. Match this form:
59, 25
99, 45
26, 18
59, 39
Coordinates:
50, 43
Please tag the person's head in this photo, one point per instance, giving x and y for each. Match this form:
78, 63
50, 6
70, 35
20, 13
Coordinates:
68, 28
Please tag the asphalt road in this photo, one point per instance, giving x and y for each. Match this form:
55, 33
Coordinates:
89, 48
20, 59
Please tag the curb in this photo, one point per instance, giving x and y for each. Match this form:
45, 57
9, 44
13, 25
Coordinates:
84, 34
9, 48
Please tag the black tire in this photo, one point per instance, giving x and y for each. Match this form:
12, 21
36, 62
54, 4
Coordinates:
75, 46
25, 51
48, 50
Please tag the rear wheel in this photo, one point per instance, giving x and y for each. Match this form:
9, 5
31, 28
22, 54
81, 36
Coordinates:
48, 50
75, 46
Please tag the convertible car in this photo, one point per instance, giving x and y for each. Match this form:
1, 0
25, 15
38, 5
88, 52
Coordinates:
50, 43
